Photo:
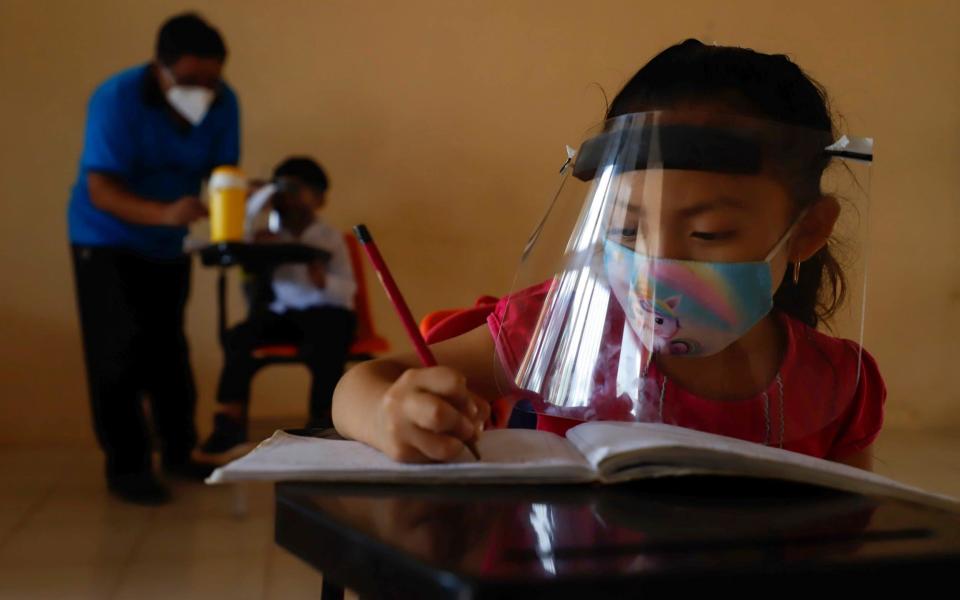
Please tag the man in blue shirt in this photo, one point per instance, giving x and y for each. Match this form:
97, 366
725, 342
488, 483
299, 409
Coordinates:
153, 133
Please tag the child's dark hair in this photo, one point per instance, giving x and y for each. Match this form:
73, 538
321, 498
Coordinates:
758, 85
306, 170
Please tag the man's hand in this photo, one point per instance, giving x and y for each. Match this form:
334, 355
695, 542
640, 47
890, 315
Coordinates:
110, 194
184, 211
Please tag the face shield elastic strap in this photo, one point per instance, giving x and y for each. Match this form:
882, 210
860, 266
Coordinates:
696, 148
682, 147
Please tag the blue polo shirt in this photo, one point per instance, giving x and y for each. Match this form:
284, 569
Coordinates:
131, 135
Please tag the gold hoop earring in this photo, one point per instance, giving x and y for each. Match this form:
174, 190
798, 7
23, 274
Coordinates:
796, 272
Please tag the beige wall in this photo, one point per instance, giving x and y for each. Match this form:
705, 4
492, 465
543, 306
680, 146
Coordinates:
443, 123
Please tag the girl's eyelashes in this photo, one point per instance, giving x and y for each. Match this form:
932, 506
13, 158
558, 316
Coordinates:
627, 234
624, 232
713, 236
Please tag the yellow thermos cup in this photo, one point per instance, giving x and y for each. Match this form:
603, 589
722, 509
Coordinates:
228, 199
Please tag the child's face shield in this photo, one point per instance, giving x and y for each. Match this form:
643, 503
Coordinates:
663, 253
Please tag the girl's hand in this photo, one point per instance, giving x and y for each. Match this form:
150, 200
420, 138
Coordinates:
427, 414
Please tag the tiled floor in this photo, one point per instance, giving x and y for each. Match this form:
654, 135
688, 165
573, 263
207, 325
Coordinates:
62, 536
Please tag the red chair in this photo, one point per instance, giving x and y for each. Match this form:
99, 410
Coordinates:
368, 342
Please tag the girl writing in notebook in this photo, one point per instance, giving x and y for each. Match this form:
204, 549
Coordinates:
690, 285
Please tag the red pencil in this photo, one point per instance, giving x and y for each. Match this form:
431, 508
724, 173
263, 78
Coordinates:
400, 305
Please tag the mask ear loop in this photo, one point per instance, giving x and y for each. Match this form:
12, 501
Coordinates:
783, 241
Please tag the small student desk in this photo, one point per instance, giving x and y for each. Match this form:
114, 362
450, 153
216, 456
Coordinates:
257, 258
657, 537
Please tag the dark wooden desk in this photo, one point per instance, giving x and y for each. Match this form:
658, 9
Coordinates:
658, 538
258, 256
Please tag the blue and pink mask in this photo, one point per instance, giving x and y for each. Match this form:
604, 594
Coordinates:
689, 307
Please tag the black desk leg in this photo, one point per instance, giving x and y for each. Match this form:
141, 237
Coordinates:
330, 590
222, 305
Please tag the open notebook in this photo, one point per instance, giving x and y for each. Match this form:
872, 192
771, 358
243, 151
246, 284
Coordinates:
603, 452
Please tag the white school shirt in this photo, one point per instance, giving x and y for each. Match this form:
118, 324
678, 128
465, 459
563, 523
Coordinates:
292, 287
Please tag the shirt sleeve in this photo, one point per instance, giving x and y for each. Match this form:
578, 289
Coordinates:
109, 143
227, 148
865, 417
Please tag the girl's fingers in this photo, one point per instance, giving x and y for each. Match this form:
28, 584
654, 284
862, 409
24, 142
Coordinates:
482, 409
405, 453
434, 414
452, 386
445, 382
435, 446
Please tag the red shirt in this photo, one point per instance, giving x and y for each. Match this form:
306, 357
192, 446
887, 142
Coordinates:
832, 399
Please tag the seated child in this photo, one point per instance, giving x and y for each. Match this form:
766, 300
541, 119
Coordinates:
749, 228
312, 308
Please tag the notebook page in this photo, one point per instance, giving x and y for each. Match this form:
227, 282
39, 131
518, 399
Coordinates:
508, 456
621, 451
601, 441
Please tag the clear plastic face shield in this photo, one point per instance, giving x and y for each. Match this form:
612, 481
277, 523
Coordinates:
670, 265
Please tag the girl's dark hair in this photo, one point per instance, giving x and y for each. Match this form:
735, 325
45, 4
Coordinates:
768, 86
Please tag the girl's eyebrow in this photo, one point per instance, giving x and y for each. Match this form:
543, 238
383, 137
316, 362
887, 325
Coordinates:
719, 203
627, 206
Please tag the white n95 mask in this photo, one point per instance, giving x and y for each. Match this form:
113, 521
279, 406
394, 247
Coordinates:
192, 102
